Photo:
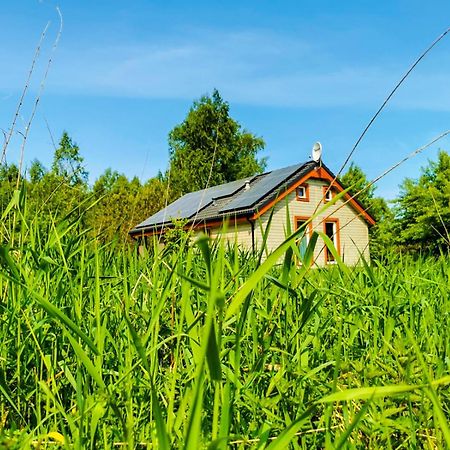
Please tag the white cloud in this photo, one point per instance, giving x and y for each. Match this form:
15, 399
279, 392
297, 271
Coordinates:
254, 67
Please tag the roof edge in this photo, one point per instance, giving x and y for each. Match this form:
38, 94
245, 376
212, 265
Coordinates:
322, 172
157, 229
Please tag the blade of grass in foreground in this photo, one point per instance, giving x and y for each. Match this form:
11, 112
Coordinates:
55, 312
378, 391
209, 349
97, 376
346, 434
285, 437
329, 243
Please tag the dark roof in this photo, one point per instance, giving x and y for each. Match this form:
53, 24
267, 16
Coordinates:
229, 199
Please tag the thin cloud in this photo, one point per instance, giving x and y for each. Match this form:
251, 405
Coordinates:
252, 67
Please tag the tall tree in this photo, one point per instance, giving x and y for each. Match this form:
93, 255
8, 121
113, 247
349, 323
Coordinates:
357, 181
36, 171
423, 209
210, 148
359, 185
54, 194
68, 163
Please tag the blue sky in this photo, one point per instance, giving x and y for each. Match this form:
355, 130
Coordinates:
294, 72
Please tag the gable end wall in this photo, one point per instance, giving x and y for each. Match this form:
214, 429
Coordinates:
353, 229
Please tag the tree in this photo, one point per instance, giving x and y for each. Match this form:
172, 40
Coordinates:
68, 163
211, 148
357, 181
8, 173
423, 209
8, 181
37, 171
53, 194
121, 204
359, 185
380, 234
105, 182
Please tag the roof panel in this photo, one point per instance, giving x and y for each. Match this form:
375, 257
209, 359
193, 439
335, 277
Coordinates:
261, 188
190, 204
230, 197
184, 207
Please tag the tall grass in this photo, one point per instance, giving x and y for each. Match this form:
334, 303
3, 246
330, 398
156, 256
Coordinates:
205, 346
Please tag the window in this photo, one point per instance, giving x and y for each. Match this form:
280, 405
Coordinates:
303, 240
302, 193
328, 193
331, 229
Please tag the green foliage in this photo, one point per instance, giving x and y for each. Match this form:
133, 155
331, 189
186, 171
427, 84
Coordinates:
360, 186
115, 203
117, 197
177, 237
54, 198
122, 203
423, 209
37, 171
211, 146
8, 173
103, 348
68, 163
8, 181
358, 183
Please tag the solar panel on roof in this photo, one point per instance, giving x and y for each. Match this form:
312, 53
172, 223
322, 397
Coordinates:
260, 188
188, 205
224, 190
184, 207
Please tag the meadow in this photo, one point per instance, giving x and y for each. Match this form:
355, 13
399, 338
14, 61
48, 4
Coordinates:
207, 346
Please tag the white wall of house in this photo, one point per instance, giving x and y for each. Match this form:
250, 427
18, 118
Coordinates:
351, 230
240, 234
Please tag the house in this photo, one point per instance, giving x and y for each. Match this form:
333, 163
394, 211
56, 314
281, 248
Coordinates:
247, 204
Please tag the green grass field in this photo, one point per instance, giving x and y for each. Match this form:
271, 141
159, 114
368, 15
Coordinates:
208, 347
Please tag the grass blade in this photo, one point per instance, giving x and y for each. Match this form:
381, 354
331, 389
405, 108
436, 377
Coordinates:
88, 364
285, 437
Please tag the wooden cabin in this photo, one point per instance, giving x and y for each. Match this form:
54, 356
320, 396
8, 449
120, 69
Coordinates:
293, 193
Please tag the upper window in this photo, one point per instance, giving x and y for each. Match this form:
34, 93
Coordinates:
302, 193
328, 193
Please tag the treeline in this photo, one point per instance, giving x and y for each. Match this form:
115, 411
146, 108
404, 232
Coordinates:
107, 209
416, 222
206, 149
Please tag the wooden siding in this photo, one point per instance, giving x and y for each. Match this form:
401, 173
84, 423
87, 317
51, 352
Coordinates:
238, 233
353, 229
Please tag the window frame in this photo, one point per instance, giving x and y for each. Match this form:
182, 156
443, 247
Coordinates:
305, 198
327, 190
336, 239
308, 231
